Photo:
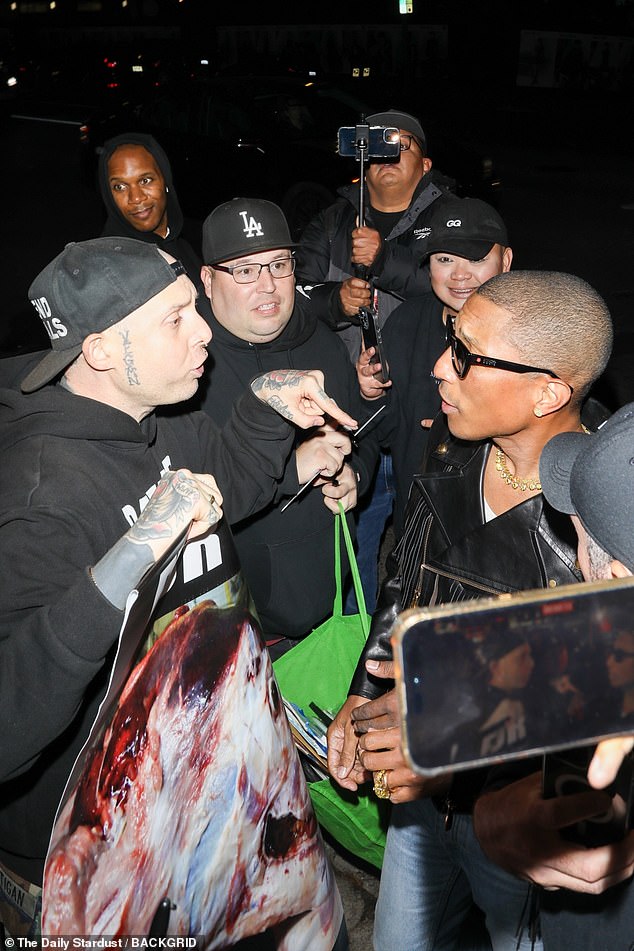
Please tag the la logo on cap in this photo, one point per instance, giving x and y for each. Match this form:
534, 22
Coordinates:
252, 228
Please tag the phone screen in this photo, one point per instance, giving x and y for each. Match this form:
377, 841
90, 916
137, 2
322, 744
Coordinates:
383, 142
371, 333
494, 679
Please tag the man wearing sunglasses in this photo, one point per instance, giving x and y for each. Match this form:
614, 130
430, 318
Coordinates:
523, 353
259, 320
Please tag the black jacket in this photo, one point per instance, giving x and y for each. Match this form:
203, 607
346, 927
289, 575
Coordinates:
75, 475
414, 338
323, 256
448, 551
288, 557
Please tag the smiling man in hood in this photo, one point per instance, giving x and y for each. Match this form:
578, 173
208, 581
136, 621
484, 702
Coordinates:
135, 179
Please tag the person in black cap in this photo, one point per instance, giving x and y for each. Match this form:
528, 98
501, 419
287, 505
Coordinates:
96, 484
522, 354
591, 478
391, 246
468, 244
260, 322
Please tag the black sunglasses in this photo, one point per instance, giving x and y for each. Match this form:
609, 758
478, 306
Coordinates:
462, 359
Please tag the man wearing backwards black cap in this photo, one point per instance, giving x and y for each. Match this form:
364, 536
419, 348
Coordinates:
467, 245
260, 323
94, 490
591, 478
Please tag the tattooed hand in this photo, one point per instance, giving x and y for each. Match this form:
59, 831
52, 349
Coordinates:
299, 396
181, 500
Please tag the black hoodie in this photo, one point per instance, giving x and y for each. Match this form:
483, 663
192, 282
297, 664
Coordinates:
117, 225
76, 473
288, 557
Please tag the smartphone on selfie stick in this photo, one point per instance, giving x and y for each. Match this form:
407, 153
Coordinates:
363, 142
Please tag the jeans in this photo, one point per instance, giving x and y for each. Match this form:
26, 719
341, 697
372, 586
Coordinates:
372, 517
430, 878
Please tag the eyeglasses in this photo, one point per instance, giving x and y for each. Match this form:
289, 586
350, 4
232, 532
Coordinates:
406, 142
249, 273
462, 359
620, 655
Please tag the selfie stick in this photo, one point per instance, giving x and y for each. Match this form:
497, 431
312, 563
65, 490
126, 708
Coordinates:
362, 139
362, 143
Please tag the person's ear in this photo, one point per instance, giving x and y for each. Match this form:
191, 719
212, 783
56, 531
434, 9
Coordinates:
507, 260
206, 278
553, 396
618, 569
97, 352
427, 164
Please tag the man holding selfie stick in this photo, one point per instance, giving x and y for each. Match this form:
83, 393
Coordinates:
390, 244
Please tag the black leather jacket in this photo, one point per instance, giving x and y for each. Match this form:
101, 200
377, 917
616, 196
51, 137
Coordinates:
448, 551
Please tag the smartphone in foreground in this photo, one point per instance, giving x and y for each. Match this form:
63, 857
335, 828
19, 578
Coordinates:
504, 678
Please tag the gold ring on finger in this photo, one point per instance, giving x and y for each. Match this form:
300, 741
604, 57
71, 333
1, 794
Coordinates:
381, 788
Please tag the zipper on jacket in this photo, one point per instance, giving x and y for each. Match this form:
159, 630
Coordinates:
472, 584
419, 581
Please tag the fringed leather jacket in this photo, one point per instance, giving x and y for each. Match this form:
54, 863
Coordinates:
448, 551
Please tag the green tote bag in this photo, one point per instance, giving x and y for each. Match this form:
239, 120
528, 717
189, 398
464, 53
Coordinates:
319, 670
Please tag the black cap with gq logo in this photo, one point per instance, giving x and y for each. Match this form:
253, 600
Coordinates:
244, 226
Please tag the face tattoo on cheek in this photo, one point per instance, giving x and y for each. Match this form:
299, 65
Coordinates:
128, 359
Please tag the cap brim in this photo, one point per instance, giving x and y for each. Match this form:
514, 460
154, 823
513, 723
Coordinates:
555, 467
242, 251
47, 369
472, 250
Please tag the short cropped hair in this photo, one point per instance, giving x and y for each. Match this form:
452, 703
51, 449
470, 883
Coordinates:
557, 321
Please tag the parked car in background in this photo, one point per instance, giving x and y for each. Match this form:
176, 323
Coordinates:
267, 137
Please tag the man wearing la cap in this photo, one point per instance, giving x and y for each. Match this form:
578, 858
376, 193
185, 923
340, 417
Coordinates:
391, 246
591, 478
468, 244
96, 486
261, 323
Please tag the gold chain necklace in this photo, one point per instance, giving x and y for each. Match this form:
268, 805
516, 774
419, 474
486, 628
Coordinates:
513, 480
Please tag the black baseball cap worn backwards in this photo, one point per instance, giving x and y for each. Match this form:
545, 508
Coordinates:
467, 227
592, 476
89, 287
244, 226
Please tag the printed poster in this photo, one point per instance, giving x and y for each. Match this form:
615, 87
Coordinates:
187, 813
